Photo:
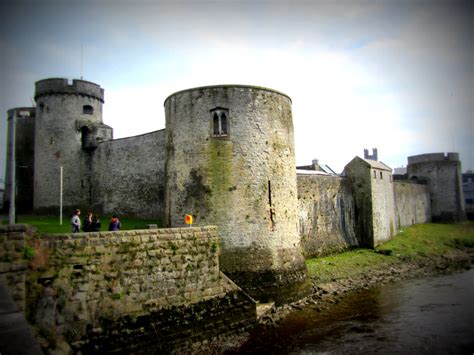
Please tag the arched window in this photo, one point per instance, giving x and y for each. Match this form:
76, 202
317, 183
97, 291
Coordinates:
223, 124
215, 124
87, 110
220, 124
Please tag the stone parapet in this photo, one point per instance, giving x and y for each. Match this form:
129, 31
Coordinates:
61, 86
433, 157
93, 289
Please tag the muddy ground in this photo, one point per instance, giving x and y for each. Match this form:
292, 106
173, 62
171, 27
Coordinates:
325, 295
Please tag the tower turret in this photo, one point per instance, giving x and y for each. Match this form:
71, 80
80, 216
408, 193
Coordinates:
443, 174
230, 162
24, 120
68, 127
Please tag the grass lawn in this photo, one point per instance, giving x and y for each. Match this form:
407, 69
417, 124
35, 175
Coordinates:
419, 241
50, 225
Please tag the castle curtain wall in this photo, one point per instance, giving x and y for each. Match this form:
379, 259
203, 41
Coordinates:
129, 176
412, 202
326, 214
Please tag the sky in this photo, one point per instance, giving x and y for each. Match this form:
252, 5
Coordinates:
396, 75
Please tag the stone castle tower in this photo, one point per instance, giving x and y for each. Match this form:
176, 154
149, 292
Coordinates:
24, 131
68, 129
230, 162
443, 176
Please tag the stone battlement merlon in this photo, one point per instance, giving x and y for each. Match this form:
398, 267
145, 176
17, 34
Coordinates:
61, 86
433, 157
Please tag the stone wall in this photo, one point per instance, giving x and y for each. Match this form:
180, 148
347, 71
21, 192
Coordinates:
129, 176
13, 264
143, 290
412, 202
326, 214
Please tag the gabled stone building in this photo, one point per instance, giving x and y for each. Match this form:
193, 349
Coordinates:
371, 182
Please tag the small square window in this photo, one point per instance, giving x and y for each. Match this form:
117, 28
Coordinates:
87, 110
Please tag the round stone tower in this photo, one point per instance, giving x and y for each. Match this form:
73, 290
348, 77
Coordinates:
230, 162
443, 175
24, 120
68, 128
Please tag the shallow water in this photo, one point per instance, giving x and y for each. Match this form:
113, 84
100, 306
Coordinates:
428, 315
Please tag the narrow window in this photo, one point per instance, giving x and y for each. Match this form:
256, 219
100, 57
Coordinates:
41, 107
223, 124
87, 110
375, 174
220, 124
381, 176
272, 211
215, 124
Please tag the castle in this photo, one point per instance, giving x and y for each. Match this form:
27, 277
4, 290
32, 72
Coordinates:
227, 157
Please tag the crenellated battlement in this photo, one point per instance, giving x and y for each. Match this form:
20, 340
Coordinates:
61, 86
433, 157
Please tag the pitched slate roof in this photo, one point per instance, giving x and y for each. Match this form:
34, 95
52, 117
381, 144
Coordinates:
377, 164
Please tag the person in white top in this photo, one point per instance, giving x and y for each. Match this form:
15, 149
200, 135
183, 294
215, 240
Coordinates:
76, 221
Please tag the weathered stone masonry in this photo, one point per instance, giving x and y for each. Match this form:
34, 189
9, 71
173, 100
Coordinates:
68, 128
442, 173
412, 203
230, 162
326, 214
129, 176
101, 292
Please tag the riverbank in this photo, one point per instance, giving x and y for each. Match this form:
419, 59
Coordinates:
417, 251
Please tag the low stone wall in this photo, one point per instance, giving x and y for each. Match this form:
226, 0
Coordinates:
326, 214
412, 203
13, 264
157, 290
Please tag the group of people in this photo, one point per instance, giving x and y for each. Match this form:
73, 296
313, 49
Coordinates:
91, 222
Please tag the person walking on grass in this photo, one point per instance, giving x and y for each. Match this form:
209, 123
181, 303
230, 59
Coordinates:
76, 221
114, 224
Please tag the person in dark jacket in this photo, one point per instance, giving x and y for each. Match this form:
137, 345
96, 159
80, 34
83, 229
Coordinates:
95, 226
86, 226
114, 224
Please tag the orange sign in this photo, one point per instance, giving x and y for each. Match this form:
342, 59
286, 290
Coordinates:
188, 219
